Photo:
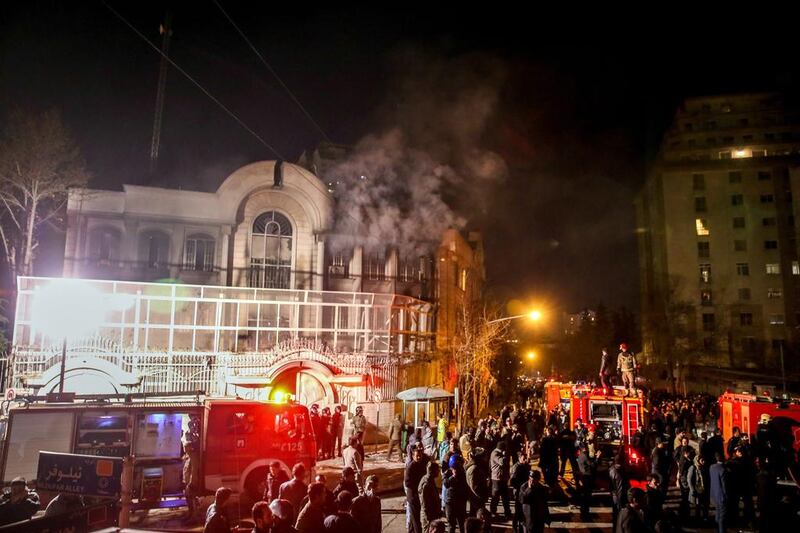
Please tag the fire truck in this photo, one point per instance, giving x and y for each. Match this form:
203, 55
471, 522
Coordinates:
615, 416
744, 411
229, 442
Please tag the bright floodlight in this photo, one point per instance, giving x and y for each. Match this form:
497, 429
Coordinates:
535, 315
68, 308
531, 355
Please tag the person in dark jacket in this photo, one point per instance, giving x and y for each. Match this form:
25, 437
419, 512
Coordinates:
520, 474
607, 368
661, 463
366, 508
20, 505
312, 517
477, 480
500, 464
654, 502
342, 521
718, 475
430, 501
282, 516
275, 478
295, 489
262, 517
699, 482
567, 449
734, 441
767, 493
216, 520
684, 457
587, 466
533, 497
631, 518
414, 473
455, 495
618, 485
548, 457
348, 482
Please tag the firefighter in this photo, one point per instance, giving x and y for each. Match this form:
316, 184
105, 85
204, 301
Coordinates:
626, 364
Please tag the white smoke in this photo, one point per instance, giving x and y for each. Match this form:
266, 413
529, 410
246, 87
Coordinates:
429, 169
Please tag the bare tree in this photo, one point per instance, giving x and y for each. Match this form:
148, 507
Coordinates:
477, 343
39, 163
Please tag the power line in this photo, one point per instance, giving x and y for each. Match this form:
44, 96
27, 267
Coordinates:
194, 81
272, 71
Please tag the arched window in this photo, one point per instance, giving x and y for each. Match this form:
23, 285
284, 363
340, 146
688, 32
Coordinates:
154, 249
104, 245
271, 251
199, 253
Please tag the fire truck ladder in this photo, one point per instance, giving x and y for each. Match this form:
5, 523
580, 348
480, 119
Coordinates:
632, 420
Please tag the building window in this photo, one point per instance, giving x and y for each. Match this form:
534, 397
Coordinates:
764, 176
749, 345
770, 245
773, 268
698, 182
702, 227
199, 253
795, 268
774, 293
745, 319
104, 246
700, 204
271, 251
703, 249
747, 138
734, 177
738, 222
744, 293
769, 136
706, 298
725, 155
769, 221
705, 273
743, 269
154, 249
409, 268
711, 141
767, 198
737, 199
739, 246
708, 321
758, 153
776, 320
376, 266
340, 265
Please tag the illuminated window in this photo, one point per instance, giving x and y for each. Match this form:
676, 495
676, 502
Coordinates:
706, 297
743, 269
104, 244
738, 222
705, 272
774, 293
795, 268
739, 154
745, 319
462, 282
776, 320
773, 268
702, 228
199, 253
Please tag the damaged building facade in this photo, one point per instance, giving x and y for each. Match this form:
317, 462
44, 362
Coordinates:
239, 292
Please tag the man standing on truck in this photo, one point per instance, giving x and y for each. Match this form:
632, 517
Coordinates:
626, 364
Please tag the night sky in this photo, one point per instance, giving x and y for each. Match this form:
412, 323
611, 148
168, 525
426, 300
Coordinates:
578, 113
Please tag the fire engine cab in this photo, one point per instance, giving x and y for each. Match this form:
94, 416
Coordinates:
221, 442
744, 411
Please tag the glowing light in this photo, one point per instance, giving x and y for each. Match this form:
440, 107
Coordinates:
701, 227
535, 315
68, 308
531, 355
738, 154
280, 396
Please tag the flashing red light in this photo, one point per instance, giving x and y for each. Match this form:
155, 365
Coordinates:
634, 456
605, 392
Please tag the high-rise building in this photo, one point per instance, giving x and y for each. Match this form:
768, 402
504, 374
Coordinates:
720, 276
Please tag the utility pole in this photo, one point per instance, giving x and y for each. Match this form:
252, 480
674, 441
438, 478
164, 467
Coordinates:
166, 32
783, 370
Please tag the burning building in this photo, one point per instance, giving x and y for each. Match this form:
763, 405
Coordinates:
240, 292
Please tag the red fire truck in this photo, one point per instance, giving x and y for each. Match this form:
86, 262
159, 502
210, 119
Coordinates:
232, 440
744, 411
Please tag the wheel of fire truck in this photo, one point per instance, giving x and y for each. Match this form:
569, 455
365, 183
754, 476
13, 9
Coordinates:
255, 484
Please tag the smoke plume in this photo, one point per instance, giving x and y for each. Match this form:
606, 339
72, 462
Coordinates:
429, 166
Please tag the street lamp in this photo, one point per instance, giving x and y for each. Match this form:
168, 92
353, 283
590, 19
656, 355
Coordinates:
531, 355
533, 316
